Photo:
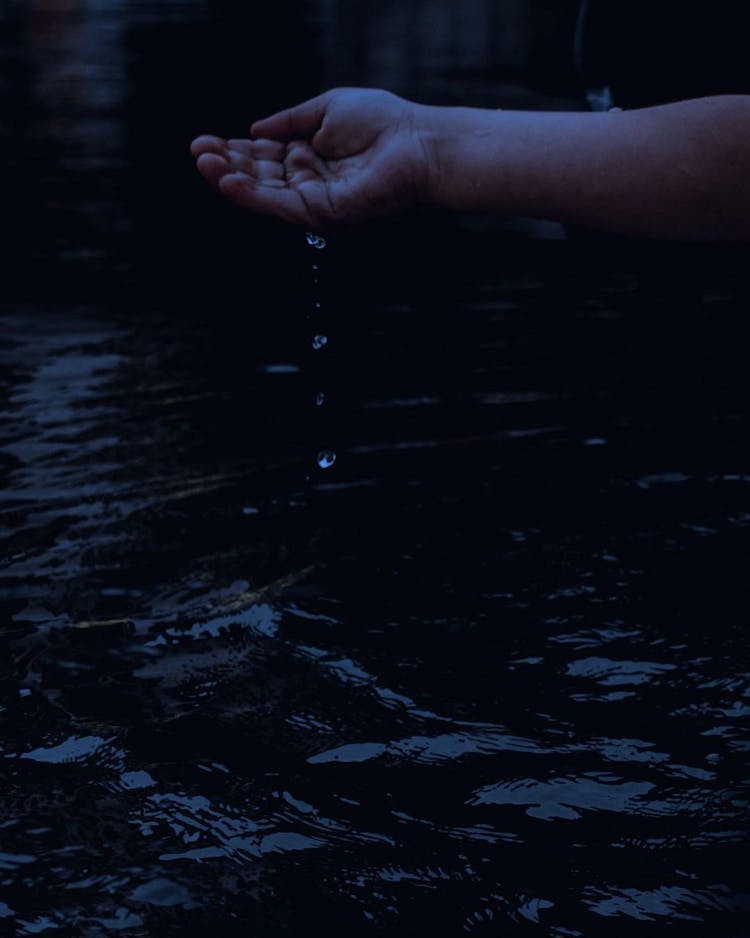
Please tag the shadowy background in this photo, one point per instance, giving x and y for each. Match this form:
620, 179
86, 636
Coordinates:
99, 100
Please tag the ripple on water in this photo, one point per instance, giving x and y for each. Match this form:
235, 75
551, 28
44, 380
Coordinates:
668, 902
614, 673
566, 797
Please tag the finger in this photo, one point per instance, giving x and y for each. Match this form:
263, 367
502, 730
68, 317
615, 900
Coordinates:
300, 122
302, 163
207, 143
258, 169
299, 158
259, 149
213, 167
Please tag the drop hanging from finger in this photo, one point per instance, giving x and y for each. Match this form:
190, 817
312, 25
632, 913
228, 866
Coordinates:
315, 240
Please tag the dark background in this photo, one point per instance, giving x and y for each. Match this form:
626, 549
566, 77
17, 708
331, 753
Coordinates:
99, 100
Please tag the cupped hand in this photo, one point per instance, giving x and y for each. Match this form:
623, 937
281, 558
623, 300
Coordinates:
348, 155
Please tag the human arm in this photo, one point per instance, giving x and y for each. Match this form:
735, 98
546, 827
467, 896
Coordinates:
678, 171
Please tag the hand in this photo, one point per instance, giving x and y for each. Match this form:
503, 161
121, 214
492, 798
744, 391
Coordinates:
348, 155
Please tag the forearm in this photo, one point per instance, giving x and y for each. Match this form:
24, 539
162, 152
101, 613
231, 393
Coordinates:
676, 171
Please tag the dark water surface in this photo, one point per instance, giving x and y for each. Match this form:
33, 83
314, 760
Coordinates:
488, 674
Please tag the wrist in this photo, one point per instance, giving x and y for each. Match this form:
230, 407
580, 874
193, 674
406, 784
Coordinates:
464, 159
430, 133
424, 121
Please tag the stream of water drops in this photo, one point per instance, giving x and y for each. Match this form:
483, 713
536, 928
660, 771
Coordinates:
325, 458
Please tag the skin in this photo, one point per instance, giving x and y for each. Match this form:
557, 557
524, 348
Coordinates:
678, 171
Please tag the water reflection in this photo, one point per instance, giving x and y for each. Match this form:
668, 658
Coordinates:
393, 680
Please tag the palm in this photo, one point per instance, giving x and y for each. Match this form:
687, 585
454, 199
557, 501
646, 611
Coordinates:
346, 156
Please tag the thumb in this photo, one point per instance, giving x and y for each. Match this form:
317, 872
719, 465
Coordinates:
296, 123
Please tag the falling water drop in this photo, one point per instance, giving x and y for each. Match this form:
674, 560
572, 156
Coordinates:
326, 458
315, 241
319, 341
320, 399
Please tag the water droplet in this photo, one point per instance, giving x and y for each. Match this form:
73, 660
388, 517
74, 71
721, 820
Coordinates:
317, 304
320, 399
315, 241
319, 341
326, 458
316, 266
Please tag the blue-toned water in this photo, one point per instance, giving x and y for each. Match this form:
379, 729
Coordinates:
485, 674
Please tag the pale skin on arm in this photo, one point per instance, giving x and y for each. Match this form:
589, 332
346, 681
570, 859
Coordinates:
678, 171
